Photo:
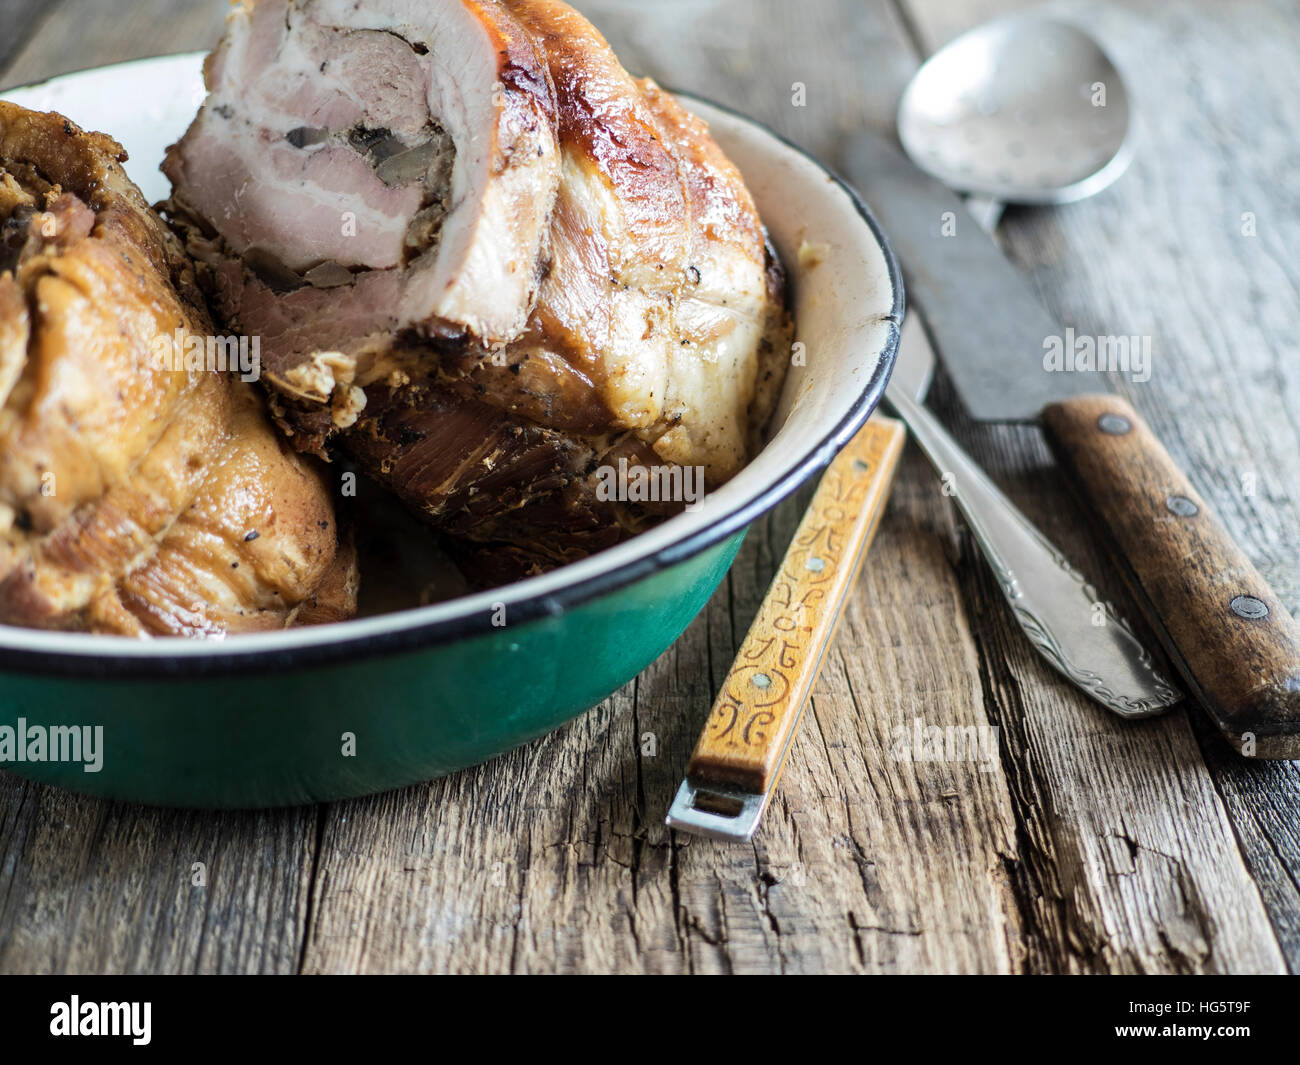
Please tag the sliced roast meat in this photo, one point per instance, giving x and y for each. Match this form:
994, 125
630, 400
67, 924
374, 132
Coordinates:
635, 310
142, 491
403, 142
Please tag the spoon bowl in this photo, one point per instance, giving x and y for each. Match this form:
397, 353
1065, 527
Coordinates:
1025, 109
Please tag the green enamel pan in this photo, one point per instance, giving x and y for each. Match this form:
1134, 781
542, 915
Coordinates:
344, 710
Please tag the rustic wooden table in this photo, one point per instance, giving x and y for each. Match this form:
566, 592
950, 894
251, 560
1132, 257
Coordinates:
1089, 845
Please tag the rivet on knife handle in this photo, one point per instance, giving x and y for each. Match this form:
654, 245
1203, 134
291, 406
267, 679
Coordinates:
738, 760
1234, 641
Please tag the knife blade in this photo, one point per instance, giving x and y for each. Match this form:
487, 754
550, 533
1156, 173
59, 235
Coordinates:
1229, 635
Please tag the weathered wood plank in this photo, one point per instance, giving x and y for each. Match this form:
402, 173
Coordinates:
76, 34
20, 19
94, 887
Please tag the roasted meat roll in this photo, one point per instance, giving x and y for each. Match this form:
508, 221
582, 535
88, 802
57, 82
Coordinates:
144, 491
483, 261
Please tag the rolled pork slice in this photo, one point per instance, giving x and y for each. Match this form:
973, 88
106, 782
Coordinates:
375, 167
143, 491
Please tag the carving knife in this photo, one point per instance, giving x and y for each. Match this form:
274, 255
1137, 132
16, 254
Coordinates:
1229, 635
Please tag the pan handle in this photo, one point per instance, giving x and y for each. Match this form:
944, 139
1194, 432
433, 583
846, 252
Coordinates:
738, 760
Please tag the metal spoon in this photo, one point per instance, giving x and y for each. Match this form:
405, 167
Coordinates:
1025, 109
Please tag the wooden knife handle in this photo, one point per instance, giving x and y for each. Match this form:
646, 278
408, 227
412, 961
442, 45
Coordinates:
1230, 636
745, 739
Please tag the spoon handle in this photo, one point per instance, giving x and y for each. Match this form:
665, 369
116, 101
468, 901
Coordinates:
738, 760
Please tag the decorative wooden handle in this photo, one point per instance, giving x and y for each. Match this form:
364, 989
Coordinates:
744, 742
1234, 642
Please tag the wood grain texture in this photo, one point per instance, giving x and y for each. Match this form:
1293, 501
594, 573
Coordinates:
88, 886
1084, 845
20, 19
744, 741
1235, 643
76, 34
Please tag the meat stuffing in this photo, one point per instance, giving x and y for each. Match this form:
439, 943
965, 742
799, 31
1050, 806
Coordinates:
137, 496
483, 262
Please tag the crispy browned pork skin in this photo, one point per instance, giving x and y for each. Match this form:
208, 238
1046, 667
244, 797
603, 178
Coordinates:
135, 498
482, 259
